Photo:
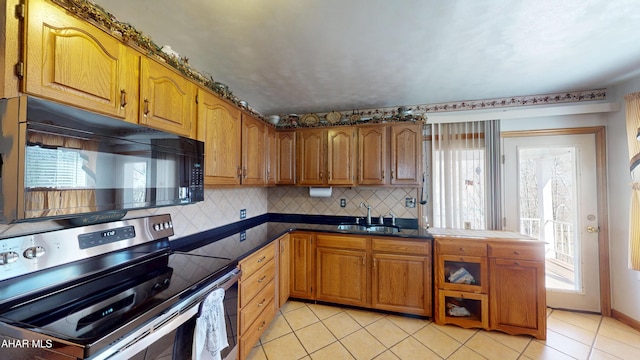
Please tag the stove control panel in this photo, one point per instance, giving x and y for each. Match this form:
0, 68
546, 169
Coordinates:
29, 253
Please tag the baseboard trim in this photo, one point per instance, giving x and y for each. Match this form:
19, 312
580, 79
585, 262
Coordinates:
625, 319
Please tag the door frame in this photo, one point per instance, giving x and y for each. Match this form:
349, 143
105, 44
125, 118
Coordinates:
602, 197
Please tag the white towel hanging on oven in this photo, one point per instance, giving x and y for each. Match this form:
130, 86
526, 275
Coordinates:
210, 333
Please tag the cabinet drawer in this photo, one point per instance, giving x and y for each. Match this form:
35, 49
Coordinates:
250, 312
465, 248
250, 286
250, 338
420, 247
516, 251
341, 242
255, 261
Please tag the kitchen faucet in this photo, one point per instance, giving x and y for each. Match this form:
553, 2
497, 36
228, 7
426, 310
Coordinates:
363, 204
393, 218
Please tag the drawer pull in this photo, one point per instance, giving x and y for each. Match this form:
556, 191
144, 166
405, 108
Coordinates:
146, 107
262, 279
261, 259
462, 249
516, 263
516, 252
262, 303
262, 325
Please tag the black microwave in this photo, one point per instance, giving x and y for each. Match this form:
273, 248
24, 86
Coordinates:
62, 162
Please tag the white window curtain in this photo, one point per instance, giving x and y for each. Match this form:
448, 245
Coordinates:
465, 173
633, 127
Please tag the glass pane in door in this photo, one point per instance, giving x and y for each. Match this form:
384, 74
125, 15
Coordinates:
548, 208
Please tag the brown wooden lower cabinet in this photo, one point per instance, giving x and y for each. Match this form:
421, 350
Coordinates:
518, 304
380, 273
302, 270
494, 284
401, 283
257, 296
341, 269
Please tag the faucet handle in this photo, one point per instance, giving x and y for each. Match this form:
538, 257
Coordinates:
393, 218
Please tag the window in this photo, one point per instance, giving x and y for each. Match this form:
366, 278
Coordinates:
55, 168
462, 160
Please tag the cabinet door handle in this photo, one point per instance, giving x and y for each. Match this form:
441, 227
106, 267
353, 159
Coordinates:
262, 279
392, 174
123, 98
329, 175
239, 172
262, 325
261, 259
382, 174
244, 173
146, 107
262, 303
374, 263
320, 175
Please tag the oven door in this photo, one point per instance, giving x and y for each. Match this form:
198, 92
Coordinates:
170, 336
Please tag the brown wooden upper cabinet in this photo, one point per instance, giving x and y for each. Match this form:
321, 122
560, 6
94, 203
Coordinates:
406, 150
286, 155
271, 155
326, 156
373, 149
235, 143
167, 99
70, 61
253, 150
390, 155
219, 128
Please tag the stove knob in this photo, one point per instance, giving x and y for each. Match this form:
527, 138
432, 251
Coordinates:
166, 282
8, 257
34, 252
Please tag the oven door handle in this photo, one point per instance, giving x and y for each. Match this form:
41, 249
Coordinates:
143, 338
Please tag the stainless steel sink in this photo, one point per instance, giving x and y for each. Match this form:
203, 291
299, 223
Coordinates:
352, 227
379, 229
383, 229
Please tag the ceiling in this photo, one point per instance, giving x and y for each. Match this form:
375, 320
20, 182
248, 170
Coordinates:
293, 56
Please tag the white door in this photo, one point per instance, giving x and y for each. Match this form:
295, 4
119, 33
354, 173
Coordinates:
550, 193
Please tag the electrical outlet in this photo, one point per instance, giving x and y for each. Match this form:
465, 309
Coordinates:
243, 235
410, 202
243, 214
343, 203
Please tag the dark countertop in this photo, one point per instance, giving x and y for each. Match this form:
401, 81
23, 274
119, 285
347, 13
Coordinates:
263, 229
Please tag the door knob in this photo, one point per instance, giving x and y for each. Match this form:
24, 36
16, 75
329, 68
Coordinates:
593, 229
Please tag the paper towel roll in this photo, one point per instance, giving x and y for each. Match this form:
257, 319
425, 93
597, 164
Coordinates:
320, 192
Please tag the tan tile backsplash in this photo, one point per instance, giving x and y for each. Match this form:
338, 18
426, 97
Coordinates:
222, 207
296, 200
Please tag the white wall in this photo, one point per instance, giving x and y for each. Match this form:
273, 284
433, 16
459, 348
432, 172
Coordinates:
625, 283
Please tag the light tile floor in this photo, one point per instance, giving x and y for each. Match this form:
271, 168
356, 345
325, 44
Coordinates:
311, 331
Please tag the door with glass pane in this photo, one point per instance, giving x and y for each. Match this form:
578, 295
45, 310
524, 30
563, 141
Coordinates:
550, 189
